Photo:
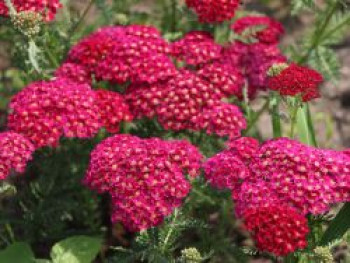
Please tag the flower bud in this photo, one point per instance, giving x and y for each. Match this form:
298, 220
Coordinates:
27, 22
191, 255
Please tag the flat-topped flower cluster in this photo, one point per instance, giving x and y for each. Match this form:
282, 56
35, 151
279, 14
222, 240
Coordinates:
183, 85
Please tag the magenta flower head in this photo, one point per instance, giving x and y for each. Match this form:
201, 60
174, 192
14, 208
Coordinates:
15, 152
226, 79
145, 99
297, 80
304, 177
196, 48
213, 11
223, 119
145, 177
245, 147
276, 229
113, 109
186, 96
74, 72
47, 9
226, 171
45, 111
263, 28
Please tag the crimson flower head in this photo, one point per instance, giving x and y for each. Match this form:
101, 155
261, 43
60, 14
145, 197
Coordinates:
15, 152
213, 11
45, 111
196, 48
263, 28
113, 109
47, 9
276, 229
145, 177
297, 80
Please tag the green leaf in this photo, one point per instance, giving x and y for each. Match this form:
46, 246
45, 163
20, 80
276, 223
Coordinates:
78, 249
326, 61
338, 227
305, 127
301, 5
18, 253
33, 52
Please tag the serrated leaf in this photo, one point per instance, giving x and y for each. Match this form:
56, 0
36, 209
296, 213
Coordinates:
33, 52
18, 252
301, 5
78, 249
338, 227
326, 61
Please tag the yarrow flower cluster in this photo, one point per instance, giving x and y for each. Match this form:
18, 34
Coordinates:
45, 111
280, 172
223, 119
214, 11
144, 177
196, 48
47, 9
277, 229
119, 54
113, 109
264, 29
297, 80
74, 72
15, 152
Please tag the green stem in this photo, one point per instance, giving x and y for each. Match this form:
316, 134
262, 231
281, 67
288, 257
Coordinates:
10, 232
256, 117
81, 19
173, 16
276, 118
311, 125
318, 34
171, 230
51, 57
293, 118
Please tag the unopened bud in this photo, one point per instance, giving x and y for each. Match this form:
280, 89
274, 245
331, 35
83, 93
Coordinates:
27, 22
191, 255
276, 69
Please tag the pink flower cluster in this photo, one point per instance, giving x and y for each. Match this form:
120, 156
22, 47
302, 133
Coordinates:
15, 152
113, 109
45, 111
297, 80
73, 72
120, 54
145, 177
277, 229
280, 172
47, 9
213, 11
196, 48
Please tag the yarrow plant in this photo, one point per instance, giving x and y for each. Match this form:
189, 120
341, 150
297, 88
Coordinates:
156, 132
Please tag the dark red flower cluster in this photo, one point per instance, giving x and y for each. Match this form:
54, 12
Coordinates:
277, 229
113, 109
262, 28
213, 11
297, 80
196, 48
15, 152
44, 111
47, 9
144, 177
